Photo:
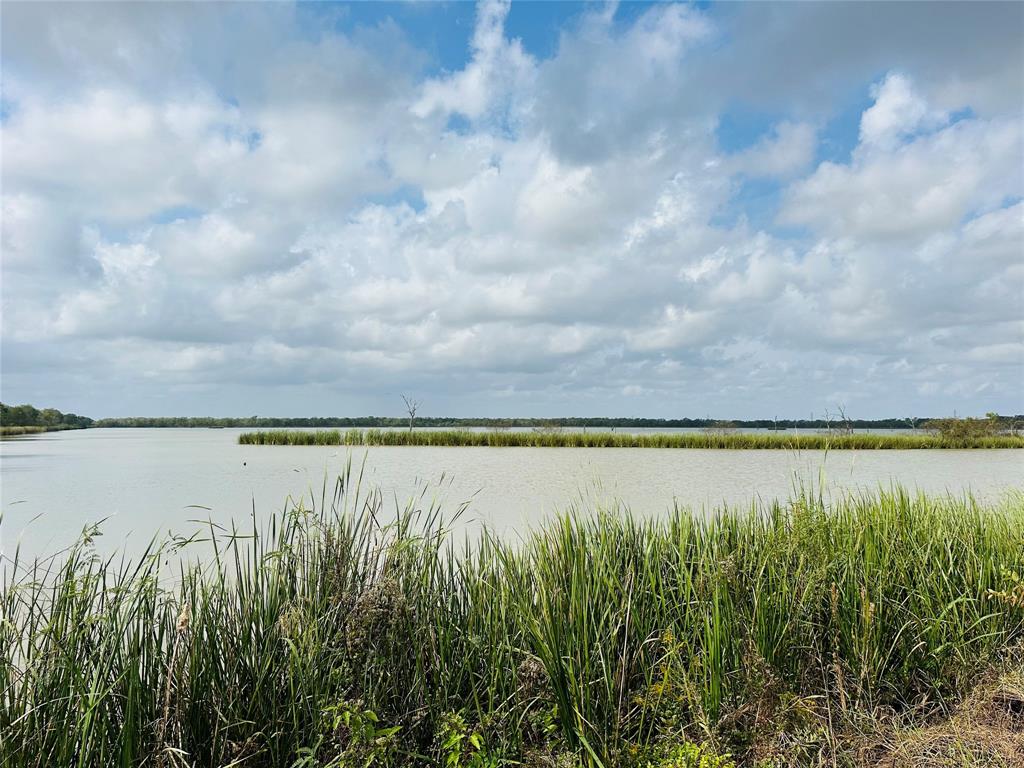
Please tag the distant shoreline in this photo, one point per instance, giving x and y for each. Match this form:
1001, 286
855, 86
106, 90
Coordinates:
371, 422
26, 419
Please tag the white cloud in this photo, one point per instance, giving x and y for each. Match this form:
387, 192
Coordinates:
789, 150
898, 113
113, 154
499, 71
315, 216
676, 327
923, 184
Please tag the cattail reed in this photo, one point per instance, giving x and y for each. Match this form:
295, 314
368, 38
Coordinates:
351, 633
710, 440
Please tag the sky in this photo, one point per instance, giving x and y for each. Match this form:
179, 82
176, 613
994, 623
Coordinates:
538, 209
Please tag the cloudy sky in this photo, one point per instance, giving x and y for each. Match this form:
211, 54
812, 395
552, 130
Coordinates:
543, 209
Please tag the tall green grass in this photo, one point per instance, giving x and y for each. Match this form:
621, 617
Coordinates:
354, 437
310, 640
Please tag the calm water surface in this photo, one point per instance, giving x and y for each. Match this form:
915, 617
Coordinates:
148, 481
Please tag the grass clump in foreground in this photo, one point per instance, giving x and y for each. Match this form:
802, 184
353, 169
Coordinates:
353, 437
804, 633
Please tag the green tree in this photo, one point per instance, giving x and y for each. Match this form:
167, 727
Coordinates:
50, 417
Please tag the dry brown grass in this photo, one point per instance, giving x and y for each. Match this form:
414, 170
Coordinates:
986, 731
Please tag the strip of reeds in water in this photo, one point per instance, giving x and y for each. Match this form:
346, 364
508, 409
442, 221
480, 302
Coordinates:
331, 638
509, 439
10, 431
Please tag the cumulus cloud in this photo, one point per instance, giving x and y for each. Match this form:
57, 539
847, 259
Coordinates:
907, 179
500, 71
788, 151
898, 112
331, 221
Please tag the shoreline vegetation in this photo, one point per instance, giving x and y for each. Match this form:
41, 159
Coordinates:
832, 422
877, 629
710, 439
27, 419
34, 429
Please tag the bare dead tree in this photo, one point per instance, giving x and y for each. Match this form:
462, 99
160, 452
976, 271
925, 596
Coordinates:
411, 406
847, 426
548, 427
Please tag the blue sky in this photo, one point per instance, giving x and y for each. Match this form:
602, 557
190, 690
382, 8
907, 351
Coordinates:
547, 208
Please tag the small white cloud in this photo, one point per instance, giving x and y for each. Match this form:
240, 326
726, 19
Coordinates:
898, 113
499, 69
787, 151
676, 327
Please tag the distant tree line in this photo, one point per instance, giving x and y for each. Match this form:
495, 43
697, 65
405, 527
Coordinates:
263, 422
48, 418
51, 418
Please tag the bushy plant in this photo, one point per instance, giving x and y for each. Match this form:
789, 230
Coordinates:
965, 429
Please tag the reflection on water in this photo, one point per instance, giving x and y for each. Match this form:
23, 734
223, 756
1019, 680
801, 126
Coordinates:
145, 481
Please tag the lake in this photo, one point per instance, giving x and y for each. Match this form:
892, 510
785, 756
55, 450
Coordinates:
147, 481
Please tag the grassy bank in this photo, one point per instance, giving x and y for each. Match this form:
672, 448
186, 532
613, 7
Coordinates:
19, 430
618, 440
10, 431
796, 634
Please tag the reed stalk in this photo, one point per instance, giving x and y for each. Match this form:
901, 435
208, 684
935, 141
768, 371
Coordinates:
755, 441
